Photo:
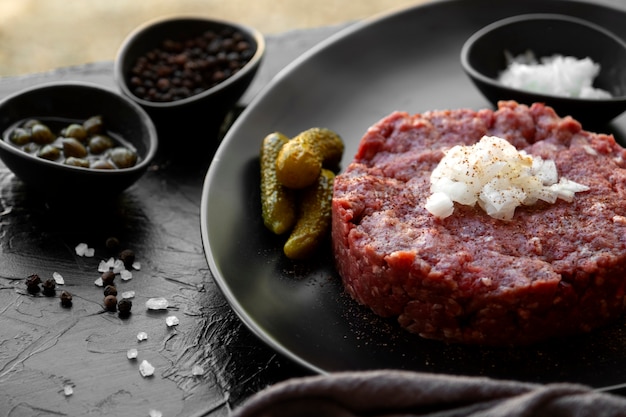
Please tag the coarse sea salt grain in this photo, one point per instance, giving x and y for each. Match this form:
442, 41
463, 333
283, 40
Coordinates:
197, 370
99, 282
146, 369
128, 294
155, 413
58, 278
136, 266
126, 275
132, 353
68, 390
158, 303
101, 267
107, 265
118, 266
141, 336
172, 321
81, 249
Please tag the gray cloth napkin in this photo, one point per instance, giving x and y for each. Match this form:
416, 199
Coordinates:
402, 393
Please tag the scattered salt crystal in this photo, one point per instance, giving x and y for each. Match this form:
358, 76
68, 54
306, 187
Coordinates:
58, 278
128, 294
68, 390
126, 275
132, 354
156, 413
136, 266
142, 336
90, 252
197, 370
172, 321
81, 248
146, 369
158, 303
118, 266
99, 282
103, 266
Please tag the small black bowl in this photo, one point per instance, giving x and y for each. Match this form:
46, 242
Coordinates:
483, 59
201, 114
76, 101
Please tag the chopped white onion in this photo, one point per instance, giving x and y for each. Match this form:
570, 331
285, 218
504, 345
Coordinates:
559, 75
495, 175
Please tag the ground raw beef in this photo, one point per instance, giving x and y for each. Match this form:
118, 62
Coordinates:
555, 269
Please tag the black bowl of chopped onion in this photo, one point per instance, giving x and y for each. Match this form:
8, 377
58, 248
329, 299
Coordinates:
188, 73
575, 66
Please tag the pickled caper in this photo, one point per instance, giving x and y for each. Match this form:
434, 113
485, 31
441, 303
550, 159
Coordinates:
94, 125
75, 131
49, 152
101, 164
77, 162
123, 157
20, 136
98, 144
72, 147
42, 134
84, 144
31, 147
28, 124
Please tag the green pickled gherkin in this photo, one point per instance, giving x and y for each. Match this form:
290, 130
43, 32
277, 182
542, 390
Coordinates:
328, 143
314, 218
278, 203
300, 161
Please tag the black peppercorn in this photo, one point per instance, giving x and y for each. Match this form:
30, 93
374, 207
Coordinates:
49, 287
107, 278
124, 307
110, 303
32, 284
110, 290
66, 299
112, 244
128, 257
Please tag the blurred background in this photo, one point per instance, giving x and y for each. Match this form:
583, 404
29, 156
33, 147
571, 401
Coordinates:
40, 35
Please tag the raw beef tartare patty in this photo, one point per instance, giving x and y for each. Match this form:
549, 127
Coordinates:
553, 270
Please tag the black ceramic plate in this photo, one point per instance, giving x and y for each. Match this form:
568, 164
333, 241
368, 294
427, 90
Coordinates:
407, 61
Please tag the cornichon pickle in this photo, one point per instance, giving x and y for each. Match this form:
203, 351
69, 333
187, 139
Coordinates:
329, 144
278, 203
314, 218
300, 161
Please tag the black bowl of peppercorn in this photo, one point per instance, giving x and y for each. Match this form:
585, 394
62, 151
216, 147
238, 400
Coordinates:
188, 73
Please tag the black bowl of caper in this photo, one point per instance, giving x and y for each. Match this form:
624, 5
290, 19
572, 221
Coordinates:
75, 140
188, 73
